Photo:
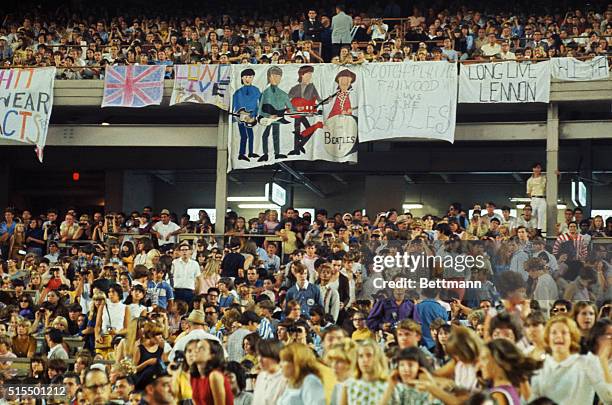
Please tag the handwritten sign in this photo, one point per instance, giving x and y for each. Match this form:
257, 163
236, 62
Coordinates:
26, 99
408, 100
202, 84
576, 70
505, 82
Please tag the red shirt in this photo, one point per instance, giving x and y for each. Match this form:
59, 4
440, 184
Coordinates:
202, 393
342, 103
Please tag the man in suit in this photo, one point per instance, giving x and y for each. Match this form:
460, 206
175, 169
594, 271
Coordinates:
341, 29
313, 27
306, 90
359, 32
537, 41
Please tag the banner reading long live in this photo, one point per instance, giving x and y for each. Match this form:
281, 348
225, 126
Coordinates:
202, 84
505, 82
292, 112
26, 99
408, 100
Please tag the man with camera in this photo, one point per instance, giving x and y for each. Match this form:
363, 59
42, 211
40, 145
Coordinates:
378, 30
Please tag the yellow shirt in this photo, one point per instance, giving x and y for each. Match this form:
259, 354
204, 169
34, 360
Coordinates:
289, 246
536, 186
182, 386
362, 334
328, 378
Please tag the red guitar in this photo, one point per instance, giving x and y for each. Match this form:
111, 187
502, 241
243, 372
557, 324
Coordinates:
307, 107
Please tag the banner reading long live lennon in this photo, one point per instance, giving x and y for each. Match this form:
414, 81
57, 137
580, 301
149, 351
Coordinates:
26, 99
505, 82
408, 100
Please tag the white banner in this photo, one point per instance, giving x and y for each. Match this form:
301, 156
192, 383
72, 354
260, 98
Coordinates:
26, 99
405, 100
201, 84
292, 112
576, 70
505, 82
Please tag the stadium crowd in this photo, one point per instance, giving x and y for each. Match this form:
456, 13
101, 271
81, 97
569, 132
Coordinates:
151, 308
81, 44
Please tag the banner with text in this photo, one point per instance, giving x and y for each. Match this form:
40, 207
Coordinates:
292, 112
505, 82
202, 84
405, 100
26, 99
577, 70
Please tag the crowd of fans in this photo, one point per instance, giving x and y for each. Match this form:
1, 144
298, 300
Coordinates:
82, 45
151, 308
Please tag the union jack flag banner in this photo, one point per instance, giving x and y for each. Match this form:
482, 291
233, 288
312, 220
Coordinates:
133, 86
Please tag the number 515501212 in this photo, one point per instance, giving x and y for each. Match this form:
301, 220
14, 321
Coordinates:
12, 391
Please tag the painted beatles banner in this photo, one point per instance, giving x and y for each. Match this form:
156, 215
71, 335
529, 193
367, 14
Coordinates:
576, 70
505, 82
26, 99
292, 112
405, 100
202, 84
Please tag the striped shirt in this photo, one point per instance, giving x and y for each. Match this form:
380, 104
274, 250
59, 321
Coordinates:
265, 329
578, 242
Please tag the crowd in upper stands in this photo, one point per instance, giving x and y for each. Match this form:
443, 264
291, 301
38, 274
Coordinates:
149, 308
81, 45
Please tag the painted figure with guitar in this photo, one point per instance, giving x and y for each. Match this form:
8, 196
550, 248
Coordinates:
244, 106
340, 122
272, 107
304, 97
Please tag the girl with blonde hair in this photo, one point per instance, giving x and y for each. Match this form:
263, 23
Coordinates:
370, 376
304, 376
18, 243
209, 277
341, 358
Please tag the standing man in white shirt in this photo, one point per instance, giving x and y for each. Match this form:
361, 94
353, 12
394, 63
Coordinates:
165, 231
536, 190
185, 272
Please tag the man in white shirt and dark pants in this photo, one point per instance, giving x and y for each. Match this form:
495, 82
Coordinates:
536, 190
185, 272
